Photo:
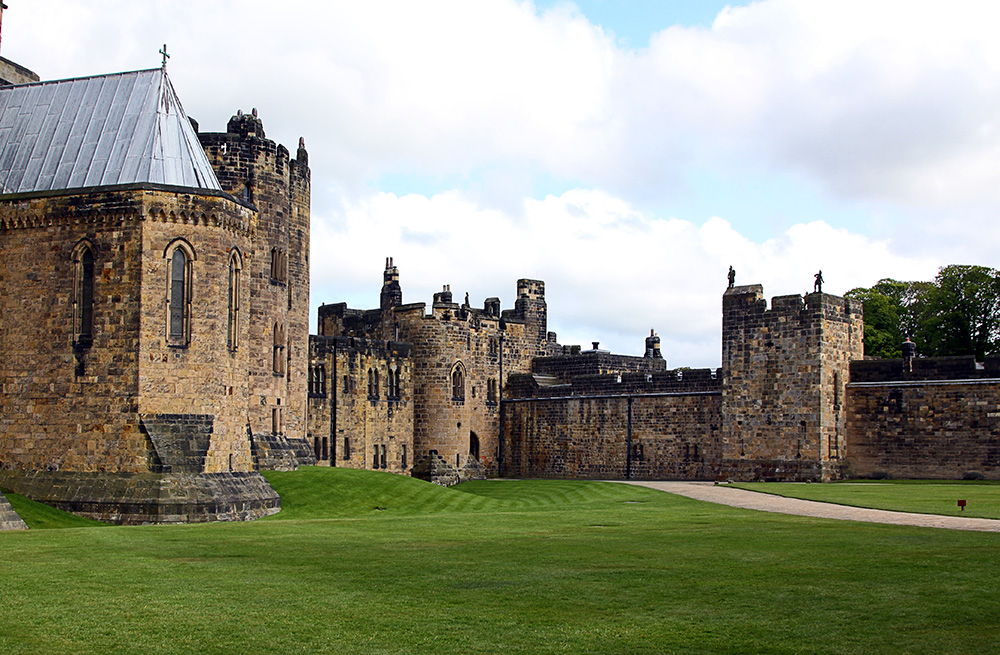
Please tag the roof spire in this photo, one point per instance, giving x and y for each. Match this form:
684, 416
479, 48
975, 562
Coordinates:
165, 56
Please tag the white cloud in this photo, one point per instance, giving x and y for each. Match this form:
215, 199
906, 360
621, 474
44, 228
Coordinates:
611, 271
890, 107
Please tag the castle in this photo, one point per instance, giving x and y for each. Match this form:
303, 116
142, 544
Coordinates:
155, 288
155, 282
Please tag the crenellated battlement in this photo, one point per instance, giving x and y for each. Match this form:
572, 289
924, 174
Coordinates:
784, 373
749, 301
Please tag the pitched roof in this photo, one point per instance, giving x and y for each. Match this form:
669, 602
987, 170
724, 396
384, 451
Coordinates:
123, 128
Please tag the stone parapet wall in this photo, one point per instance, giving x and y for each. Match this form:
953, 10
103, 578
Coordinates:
962, 367
536, 385
596, 362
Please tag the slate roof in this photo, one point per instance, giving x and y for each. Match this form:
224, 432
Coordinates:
123, 128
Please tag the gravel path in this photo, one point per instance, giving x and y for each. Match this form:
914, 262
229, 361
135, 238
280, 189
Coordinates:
726, 495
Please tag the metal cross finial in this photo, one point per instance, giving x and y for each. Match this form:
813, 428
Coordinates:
165, 56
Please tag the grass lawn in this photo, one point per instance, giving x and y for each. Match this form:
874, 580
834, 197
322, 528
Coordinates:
922, 496
365, 562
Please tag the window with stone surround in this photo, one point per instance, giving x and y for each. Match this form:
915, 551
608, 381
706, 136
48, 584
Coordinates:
235, 268
392, 384
180, 260
276, 417
83, 294
458, 382
317, 380
373, 390
347, 448
279, 265
278, 350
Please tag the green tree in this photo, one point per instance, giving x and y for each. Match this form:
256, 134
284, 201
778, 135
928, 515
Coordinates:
956, 314
892, 312
960, 313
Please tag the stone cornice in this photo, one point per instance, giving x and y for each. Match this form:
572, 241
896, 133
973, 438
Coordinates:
125, 204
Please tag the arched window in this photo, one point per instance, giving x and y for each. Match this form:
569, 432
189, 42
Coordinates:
235, 267
458, 382
179, 287
279, 265
392, 384
372, 383
83, 294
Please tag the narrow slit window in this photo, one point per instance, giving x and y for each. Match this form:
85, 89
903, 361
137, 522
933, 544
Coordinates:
83, 302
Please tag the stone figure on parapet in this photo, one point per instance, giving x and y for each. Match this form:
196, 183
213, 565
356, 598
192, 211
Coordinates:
818, 284
732, 277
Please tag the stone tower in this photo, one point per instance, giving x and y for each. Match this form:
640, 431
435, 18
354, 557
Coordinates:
783, 391
530, 307
126, 283
260, 172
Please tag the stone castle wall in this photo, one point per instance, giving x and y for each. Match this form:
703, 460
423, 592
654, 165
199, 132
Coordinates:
632, 426
125, 425
362, 426
205, 377
461, 425
63, 406
80, 406
939, 420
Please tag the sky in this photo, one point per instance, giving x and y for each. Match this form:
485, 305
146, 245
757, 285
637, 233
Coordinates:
626, 153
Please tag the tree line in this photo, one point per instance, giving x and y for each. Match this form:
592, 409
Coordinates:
958, 313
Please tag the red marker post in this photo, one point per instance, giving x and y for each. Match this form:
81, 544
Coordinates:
961, 504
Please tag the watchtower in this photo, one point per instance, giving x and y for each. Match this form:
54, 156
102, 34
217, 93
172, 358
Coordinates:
783, 388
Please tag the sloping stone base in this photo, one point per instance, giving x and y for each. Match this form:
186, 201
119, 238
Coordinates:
276, 452
140, 498
304, 452
9, 519
272, 452
433, 468
472, 470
